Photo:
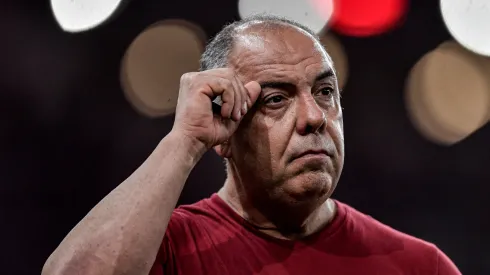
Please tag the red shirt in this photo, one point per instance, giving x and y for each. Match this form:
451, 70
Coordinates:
208, 237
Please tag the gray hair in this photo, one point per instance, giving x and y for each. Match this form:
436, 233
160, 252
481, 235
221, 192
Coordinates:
218, 49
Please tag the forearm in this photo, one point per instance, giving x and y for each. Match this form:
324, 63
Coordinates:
122, 234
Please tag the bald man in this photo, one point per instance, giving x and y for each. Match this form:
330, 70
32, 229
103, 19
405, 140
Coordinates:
280, 130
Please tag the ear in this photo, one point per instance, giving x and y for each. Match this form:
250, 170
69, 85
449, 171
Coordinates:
223, 150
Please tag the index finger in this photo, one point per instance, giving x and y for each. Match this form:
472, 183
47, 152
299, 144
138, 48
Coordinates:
253, 91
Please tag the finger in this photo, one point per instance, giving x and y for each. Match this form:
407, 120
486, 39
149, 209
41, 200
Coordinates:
224, 88
237, 108
244, 96
225, 128
239, 95
253, 91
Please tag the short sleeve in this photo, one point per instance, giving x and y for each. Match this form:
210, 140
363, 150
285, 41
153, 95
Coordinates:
163, 255
165, 261
180, 238
445, 266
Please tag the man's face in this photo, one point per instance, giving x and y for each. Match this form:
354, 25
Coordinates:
290, 144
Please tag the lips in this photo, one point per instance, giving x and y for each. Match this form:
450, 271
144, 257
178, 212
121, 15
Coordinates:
311, 152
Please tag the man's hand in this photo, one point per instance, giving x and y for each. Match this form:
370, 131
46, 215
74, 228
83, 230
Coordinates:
130, 222
194, 116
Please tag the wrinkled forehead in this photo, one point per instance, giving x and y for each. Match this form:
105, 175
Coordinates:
258, 45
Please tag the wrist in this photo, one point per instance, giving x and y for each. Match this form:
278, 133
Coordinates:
194, 147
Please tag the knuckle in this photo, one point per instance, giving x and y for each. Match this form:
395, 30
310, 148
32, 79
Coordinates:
191, 82
187, 78
230, 72
228, 85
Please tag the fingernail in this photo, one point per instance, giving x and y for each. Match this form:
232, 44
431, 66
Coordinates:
239, 114
244, 107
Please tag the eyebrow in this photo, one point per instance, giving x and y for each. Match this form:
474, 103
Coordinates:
325, 74
281, 84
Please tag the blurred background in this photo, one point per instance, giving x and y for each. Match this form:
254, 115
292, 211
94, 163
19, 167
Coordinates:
88, 88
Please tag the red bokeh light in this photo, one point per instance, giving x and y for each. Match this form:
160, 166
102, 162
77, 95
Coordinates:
367, 17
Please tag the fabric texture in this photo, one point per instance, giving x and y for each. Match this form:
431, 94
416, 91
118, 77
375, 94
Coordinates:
209, 237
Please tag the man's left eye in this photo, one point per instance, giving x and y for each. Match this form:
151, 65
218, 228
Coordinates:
326, 91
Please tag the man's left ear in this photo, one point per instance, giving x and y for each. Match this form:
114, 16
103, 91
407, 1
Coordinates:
223, 150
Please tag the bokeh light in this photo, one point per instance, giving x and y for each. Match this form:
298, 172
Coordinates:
312, 13
154, 63
448, 94
366, 18
83, 15
468, 21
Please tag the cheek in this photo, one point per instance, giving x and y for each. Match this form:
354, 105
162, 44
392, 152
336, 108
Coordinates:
336, 131
263, 141
336, 124
252, 144
278, 135
252, 153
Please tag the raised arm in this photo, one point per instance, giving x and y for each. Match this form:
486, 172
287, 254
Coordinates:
123, 232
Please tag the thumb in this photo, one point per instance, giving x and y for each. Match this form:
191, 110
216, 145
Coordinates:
253, 90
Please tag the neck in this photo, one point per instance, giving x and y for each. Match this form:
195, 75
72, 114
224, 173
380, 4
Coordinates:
280, 220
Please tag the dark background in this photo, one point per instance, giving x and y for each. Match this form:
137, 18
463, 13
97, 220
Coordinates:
68, 136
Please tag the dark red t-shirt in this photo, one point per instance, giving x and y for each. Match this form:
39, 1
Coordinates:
208, 237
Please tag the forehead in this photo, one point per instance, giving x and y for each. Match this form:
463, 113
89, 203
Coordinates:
281, 51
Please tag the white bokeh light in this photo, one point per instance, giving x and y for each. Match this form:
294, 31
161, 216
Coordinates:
468, 21
311, 13
83, 15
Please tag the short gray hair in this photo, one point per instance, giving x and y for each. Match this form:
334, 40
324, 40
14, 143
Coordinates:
218, 49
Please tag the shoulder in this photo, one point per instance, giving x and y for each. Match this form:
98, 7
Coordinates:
400, 248
191, 217
187, 233
204, 222
375, 233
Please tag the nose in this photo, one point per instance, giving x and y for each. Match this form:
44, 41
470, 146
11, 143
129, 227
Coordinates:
310, 117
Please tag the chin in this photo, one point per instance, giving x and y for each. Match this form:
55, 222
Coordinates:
308, 187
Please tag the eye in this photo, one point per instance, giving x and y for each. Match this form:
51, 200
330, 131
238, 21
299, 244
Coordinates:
327, 91
274, 100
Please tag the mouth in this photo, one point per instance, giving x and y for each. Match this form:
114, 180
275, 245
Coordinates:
312, 154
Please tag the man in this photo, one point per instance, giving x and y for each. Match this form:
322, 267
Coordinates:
280, 130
